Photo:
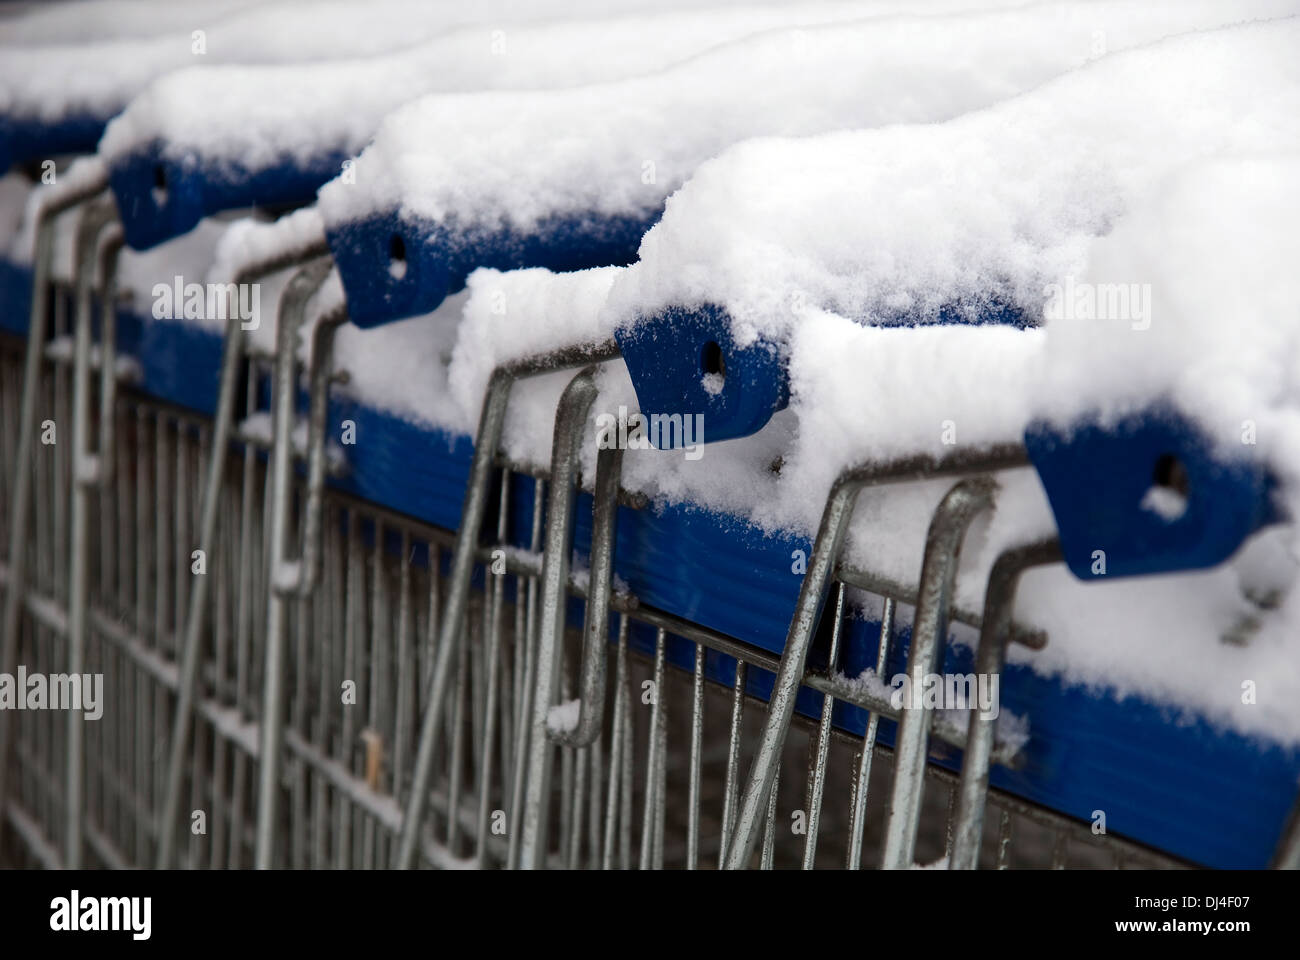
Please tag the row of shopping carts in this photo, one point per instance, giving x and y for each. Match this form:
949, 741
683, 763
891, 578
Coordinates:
420, 652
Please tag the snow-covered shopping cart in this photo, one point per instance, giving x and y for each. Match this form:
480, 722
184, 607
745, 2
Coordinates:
768, 435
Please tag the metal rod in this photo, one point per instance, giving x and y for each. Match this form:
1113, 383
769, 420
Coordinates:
858, 814
300, 578
570, 421
999, 603
817, 787
729, 788
96, 218
697, 748
654, 766
293, 305
604, 528
616, 744
962, 504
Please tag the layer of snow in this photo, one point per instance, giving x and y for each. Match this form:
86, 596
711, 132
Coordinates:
248, 242
1217, 247
1176, 166
334, 107
90, 21
59, 80
1213, 232
621, 148
892, 224
74, 179
563, 717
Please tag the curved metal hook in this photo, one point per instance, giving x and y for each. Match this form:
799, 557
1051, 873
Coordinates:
293, 304
570, 421
604, 527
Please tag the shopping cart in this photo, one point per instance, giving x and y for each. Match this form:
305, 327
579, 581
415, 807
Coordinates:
404, 710
380, 582
710, 659
61, 95
399, 592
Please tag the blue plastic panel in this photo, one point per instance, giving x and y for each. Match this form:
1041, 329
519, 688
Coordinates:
160, 197
15, 297
685, 360
1096, 481
393, 268
670, 359
1174, 783
179, 363
31, 139
413, 469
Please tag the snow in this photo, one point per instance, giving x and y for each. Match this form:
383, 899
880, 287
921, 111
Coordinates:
334, 107
59, 80
1003, 200
248, 242
1166, 503
491, 158
1171, 170
84, 21
1216, 243
77, 177
563, 717
1000, 201
1173, 211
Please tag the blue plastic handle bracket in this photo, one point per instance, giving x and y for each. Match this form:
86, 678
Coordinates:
1147, 495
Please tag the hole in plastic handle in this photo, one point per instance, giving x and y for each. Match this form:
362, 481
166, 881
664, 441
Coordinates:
396, 257
712, 362
1171, 473
1167, 495
159, 184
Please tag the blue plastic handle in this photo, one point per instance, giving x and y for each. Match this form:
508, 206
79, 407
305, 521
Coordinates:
685, 360
392, 267
1098, 482
27, 139
161, 197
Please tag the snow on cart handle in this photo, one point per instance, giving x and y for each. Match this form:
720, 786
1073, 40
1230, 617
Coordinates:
172, 165
571, 179
985, 217
56, 99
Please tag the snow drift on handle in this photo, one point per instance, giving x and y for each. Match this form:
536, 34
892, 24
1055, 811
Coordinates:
273, 133
567, 179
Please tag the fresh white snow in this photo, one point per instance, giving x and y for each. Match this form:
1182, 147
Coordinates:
66, 78
1175, 166
336, 105
514, 158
